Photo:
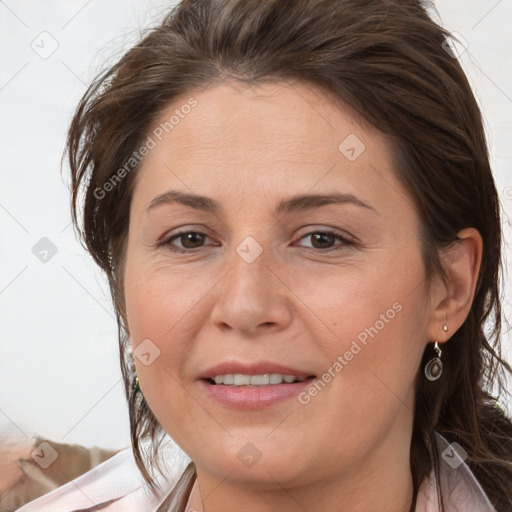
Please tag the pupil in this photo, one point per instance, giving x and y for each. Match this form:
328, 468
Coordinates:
323, 236
190, 237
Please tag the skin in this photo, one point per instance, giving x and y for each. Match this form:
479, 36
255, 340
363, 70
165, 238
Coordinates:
248, 148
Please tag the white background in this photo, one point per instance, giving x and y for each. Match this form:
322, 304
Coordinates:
59, 369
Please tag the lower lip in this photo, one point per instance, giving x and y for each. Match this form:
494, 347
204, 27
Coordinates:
242, 397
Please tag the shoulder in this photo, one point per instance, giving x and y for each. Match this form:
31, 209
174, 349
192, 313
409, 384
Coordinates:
459, 487
115, 484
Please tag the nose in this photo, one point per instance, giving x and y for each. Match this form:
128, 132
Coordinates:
253, 296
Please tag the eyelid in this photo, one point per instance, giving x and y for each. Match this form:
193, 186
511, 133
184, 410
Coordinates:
308, 230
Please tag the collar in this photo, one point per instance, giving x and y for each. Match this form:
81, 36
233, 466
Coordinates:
460, 489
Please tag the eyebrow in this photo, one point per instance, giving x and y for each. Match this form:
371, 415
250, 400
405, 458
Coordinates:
296, 203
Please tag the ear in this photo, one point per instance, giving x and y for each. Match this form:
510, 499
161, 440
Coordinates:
451, 302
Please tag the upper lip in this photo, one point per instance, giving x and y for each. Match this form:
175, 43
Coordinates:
257, 368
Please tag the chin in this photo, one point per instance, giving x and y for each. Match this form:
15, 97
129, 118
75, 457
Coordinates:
261, 466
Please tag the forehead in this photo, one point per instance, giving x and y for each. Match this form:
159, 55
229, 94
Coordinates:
239, 139
261, 117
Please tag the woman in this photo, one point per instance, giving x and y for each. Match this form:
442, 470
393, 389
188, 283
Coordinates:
293, 203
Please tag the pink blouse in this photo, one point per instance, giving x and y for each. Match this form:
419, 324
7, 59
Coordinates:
116, 486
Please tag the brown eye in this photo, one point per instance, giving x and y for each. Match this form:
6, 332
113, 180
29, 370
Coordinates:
322, 241
189, 240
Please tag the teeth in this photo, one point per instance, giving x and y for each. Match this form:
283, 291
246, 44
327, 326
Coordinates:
242, 380
255, 380
276, 378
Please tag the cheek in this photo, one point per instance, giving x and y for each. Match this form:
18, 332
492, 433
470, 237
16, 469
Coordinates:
160, 298
372, 322
165, 311
158, 324
157, 311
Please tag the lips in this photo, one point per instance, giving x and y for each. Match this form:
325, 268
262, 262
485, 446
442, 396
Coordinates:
246, 397
259, 368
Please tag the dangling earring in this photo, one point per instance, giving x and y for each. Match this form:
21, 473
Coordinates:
135, 385
434, 368
135, 381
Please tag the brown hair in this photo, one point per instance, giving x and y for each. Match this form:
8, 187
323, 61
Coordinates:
388, 60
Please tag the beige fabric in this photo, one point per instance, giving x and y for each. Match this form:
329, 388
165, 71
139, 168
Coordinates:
22, 479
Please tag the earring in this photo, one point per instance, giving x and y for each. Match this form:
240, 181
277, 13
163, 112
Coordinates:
135, 385
434, 368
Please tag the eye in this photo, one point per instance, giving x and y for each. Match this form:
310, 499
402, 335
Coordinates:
190, 240
325, 238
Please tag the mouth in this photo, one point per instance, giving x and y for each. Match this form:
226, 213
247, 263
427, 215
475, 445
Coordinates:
252, 385
253, 391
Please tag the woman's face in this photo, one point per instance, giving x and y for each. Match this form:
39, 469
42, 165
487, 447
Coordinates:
260, 289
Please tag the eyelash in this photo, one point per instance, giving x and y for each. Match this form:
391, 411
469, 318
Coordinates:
345, 242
